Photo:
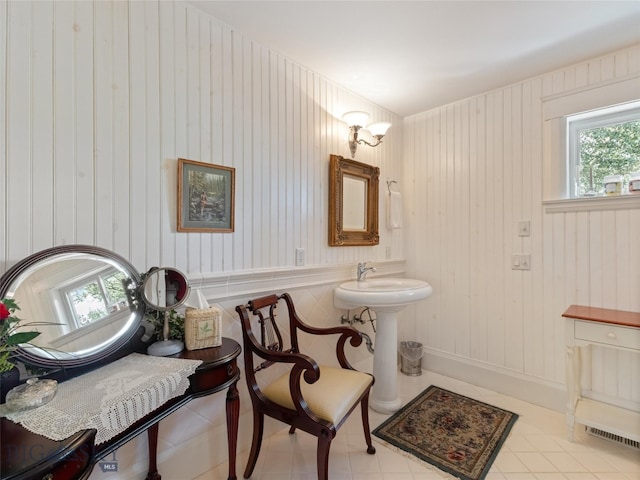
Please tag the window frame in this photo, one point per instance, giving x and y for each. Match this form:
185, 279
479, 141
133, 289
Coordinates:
97, 277
555, 183
601, 117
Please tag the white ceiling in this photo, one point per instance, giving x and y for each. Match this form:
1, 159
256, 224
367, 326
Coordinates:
411, 56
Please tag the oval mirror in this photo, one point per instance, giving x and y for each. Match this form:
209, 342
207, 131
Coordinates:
86, 293
164, 288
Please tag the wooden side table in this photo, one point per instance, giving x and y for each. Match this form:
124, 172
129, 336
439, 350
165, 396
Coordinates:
586, 326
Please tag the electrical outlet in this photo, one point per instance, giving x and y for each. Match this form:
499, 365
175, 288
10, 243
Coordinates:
524, 228
299, 257
520, 262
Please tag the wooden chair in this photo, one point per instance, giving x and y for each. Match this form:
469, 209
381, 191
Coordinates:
315, 399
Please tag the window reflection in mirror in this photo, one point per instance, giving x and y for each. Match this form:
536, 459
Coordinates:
353, 203
83, 297
78, 295
95, 296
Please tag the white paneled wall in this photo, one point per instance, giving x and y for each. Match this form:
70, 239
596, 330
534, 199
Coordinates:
101, 98
476, 169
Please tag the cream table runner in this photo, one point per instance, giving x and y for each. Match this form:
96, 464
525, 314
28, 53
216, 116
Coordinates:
109, 399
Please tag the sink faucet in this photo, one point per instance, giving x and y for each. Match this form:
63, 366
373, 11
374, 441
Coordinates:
363, 270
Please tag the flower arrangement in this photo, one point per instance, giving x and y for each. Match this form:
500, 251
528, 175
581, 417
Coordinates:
10, 337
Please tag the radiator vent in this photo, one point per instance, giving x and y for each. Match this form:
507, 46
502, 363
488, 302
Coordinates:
614, 438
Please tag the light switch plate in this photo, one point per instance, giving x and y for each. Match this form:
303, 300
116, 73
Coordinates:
520, 262
524, 228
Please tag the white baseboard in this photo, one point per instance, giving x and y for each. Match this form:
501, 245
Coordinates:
517, 385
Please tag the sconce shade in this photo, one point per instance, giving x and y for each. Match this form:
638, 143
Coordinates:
355, 118
378, 129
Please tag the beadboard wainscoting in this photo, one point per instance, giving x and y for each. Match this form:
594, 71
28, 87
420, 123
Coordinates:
473, 170
100, 99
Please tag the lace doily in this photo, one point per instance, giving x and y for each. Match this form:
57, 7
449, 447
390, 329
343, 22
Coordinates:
109, 399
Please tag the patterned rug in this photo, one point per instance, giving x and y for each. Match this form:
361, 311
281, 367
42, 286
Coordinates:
457, 434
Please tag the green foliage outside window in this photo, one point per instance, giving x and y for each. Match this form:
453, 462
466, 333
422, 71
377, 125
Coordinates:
608, 150
92, 301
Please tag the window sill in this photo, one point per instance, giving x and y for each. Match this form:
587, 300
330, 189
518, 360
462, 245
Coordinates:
591, 204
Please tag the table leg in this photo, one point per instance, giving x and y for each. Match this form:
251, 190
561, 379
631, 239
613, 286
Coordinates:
570, 409
152, 434
573, 374
233, 415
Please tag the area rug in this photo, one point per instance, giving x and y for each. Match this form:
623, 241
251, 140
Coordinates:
456, 434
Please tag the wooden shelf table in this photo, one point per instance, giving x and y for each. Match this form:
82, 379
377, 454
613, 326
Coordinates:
587, 326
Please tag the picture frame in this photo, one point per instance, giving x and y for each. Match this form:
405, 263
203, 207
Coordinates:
206, 194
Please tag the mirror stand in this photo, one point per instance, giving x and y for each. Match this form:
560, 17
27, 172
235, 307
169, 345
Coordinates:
164, 289
165, 347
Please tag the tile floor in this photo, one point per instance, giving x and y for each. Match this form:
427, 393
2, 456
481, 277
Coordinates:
536, 449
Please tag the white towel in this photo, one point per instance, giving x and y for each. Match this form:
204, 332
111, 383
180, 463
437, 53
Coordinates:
394, 210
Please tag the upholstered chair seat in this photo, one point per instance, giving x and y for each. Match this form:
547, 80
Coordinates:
331, 398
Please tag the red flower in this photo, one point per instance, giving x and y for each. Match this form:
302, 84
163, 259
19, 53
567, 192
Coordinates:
4, 311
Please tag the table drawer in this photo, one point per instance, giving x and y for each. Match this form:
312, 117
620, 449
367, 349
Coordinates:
607, 334
218, 377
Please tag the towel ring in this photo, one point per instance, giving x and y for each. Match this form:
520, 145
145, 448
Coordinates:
389, 182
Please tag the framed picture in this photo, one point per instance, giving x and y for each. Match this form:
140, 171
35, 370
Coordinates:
205, 197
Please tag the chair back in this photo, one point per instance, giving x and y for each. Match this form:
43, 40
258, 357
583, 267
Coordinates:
270, 337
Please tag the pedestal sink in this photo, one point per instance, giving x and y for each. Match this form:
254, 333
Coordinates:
386, 297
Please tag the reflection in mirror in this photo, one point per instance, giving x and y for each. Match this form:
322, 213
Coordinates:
353, 202
163, 290
84, 293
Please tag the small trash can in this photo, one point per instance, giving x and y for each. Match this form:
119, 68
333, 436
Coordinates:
410, 356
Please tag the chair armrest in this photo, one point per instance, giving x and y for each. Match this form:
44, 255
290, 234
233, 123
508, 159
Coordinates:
303, 366
356, 338
346, 333
303, 362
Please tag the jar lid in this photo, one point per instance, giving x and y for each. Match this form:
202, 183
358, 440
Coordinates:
613, 178
32, 394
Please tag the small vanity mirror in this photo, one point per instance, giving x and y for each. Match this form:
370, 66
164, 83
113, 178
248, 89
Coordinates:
353, 203
164, 289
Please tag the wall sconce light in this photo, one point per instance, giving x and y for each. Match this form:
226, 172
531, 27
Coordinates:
356, 121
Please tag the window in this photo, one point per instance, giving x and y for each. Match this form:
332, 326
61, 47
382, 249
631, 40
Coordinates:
602, 143
96, 297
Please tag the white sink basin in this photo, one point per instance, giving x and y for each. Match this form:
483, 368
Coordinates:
379, 293
386, 297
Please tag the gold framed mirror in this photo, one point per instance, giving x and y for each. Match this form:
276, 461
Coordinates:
353, 203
